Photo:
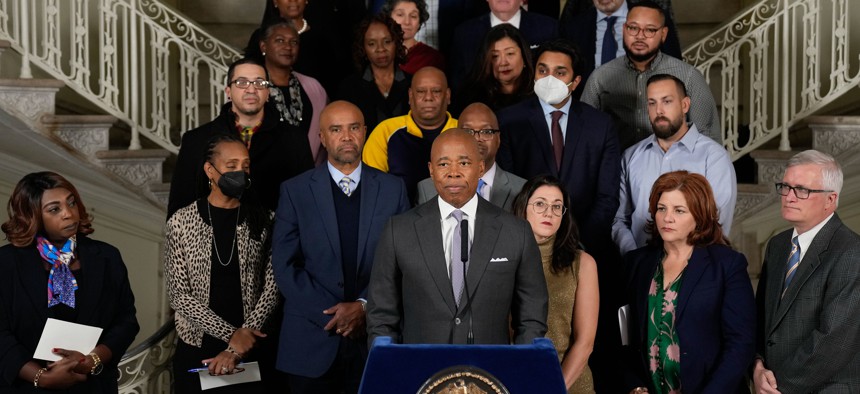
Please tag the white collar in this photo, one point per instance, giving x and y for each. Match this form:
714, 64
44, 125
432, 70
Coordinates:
514, 21
469, 208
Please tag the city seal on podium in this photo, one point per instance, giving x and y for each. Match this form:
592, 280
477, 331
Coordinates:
463, 379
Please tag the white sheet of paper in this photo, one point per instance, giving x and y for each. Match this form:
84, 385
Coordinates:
250, 374
623, 315
65, 335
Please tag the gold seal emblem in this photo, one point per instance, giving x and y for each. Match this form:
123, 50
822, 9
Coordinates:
463, 379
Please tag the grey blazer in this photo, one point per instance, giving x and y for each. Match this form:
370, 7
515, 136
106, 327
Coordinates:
410, 297
506, 186
811, 338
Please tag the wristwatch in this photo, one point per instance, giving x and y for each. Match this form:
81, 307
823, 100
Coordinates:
363, 304
97, 364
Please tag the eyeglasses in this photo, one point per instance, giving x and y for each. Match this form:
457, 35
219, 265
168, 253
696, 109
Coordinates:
244, 83
801, 192
539, 207
482, 133
634, 30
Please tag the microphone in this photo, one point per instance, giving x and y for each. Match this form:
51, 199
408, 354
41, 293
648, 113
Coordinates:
464, 257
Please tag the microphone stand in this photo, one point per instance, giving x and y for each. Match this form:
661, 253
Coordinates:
464, 257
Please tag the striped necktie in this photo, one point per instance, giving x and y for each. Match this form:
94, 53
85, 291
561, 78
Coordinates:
793, 263
345, 185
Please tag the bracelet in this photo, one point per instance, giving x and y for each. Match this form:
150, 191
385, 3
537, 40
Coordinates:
97, 362
234, 352
38, 375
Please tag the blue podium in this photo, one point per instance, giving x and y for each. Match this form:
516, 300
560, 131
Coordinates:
403, 369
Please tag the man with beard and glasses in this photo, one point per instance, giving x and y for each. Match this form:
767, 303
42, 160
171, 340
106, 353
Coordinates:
618, 87
278, 149
675, 145
327, 225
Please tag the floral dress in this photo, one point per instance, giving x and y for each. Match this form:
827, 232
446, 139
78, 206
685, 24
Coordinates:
665, 353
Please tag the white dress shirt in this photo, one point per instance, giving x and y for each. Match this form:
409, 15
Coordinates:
449, 224
514, 21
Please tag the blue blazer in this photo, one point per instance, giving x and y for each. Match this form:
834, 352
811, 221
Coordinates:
715, 320
590, 167
536, 29
307, 261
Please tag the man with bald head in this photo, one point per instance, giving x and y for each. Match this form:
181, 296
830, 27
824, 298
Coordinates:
453, 269
401, 145
327, 226
496, 185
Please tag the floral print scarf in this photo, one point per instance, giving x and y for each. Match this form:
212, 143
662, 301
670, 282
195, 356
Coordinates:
664, 352
290, 107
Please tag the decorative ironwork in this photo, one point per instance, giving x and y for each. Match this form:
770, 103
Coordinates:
139, 60
779, 61
146, 368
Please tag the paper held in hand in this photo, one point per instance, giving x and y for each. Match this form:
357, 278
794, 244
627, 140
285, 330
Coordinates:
247, 372
65, 335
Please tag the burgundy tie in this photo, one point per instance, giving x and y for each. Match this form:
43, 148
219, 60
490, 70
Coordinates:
557, 138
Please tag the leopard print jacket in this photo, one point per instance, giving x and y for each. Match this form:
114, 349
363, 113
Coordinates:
187, 265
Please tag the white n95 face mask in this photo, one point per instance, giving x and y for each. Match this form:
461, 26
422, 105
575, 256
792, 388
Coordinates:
551, 90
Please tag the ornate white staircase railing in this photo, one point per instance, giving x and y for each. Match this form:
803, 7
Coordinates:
778, 62
138, 60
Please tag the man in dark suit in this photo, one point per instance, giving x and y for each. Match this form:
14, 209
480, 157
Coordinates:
555, 134
588, 30
496, 185
536, 28
278, 150
429, 286
327, 225
809, 291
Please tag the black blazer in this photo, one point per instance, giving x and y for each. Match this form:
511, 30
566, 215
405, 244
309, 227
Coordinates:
715, 320
590, 168
104, 299
581, 28
536, 29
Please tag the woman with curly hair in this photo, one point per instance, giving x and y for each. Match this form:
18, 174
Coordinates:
380, 89
503, 73
571, 277
411, 16
52, 269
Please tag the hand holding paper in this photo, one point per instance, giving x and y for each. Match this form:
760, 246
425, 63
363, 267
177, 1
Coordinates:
64, 335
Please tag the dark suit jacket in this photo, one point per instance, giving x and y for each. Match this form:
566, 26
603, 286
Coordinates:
715, 319
279, 151
411, 299
506, 186
103, 299
581, 28
307, 261
536, 29
590, 168
811, 338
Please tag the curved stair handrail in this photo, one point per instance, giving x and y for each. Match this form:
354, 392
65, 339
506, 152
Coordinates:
148, 364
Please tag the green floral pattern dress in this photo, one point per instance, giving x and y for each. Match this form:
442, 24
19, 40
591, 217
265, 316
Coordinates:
665, 353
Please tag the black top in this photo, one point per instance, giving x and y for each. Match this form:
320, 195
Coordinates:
348, 209
360, 89
225, 294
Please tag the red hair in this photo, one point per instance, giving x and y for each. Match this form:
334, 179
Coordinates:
700, 201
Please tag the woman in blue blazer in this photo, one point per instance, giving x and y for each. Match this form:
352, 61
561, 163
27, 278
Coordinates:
692, 310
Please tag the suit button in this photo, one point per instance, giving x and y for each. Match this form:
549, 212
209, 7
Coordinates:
457, 321
340, 284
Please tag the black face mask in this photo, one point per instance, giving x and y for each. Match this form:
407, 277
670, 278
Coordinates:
233, 183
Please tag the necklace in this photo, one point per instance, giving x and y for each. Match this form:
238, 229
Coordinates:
305, 26
215, 244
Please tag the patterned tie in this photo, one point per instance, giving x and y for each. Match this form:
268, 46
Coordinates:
481, 186
557, 138
610, 46
793, 262
457, 268
345, 184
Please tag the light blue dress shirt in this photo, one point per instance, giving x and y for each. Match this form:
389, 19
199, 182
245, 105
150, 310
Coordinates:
621, 13
547, 116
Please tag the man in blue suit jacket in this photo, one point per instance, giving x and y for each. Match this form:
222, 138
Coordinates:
536, 28
588, 162
327, 225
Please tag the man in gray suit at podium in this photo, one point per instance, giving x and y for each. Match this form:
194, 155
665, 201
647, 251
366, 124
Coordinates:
496, 185
453, 269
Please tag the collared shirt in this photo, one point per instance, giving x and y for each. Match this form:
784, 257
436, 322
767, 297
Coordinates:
514, 21
620, 90
618, 27
562, 121
429, 33
644, 162
336, 175
806, 238
488, 177
449, 224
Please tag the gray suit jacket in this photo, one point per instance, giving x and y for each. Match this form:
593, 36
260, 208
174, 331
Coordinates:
506, 186
810, 338
410, 297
